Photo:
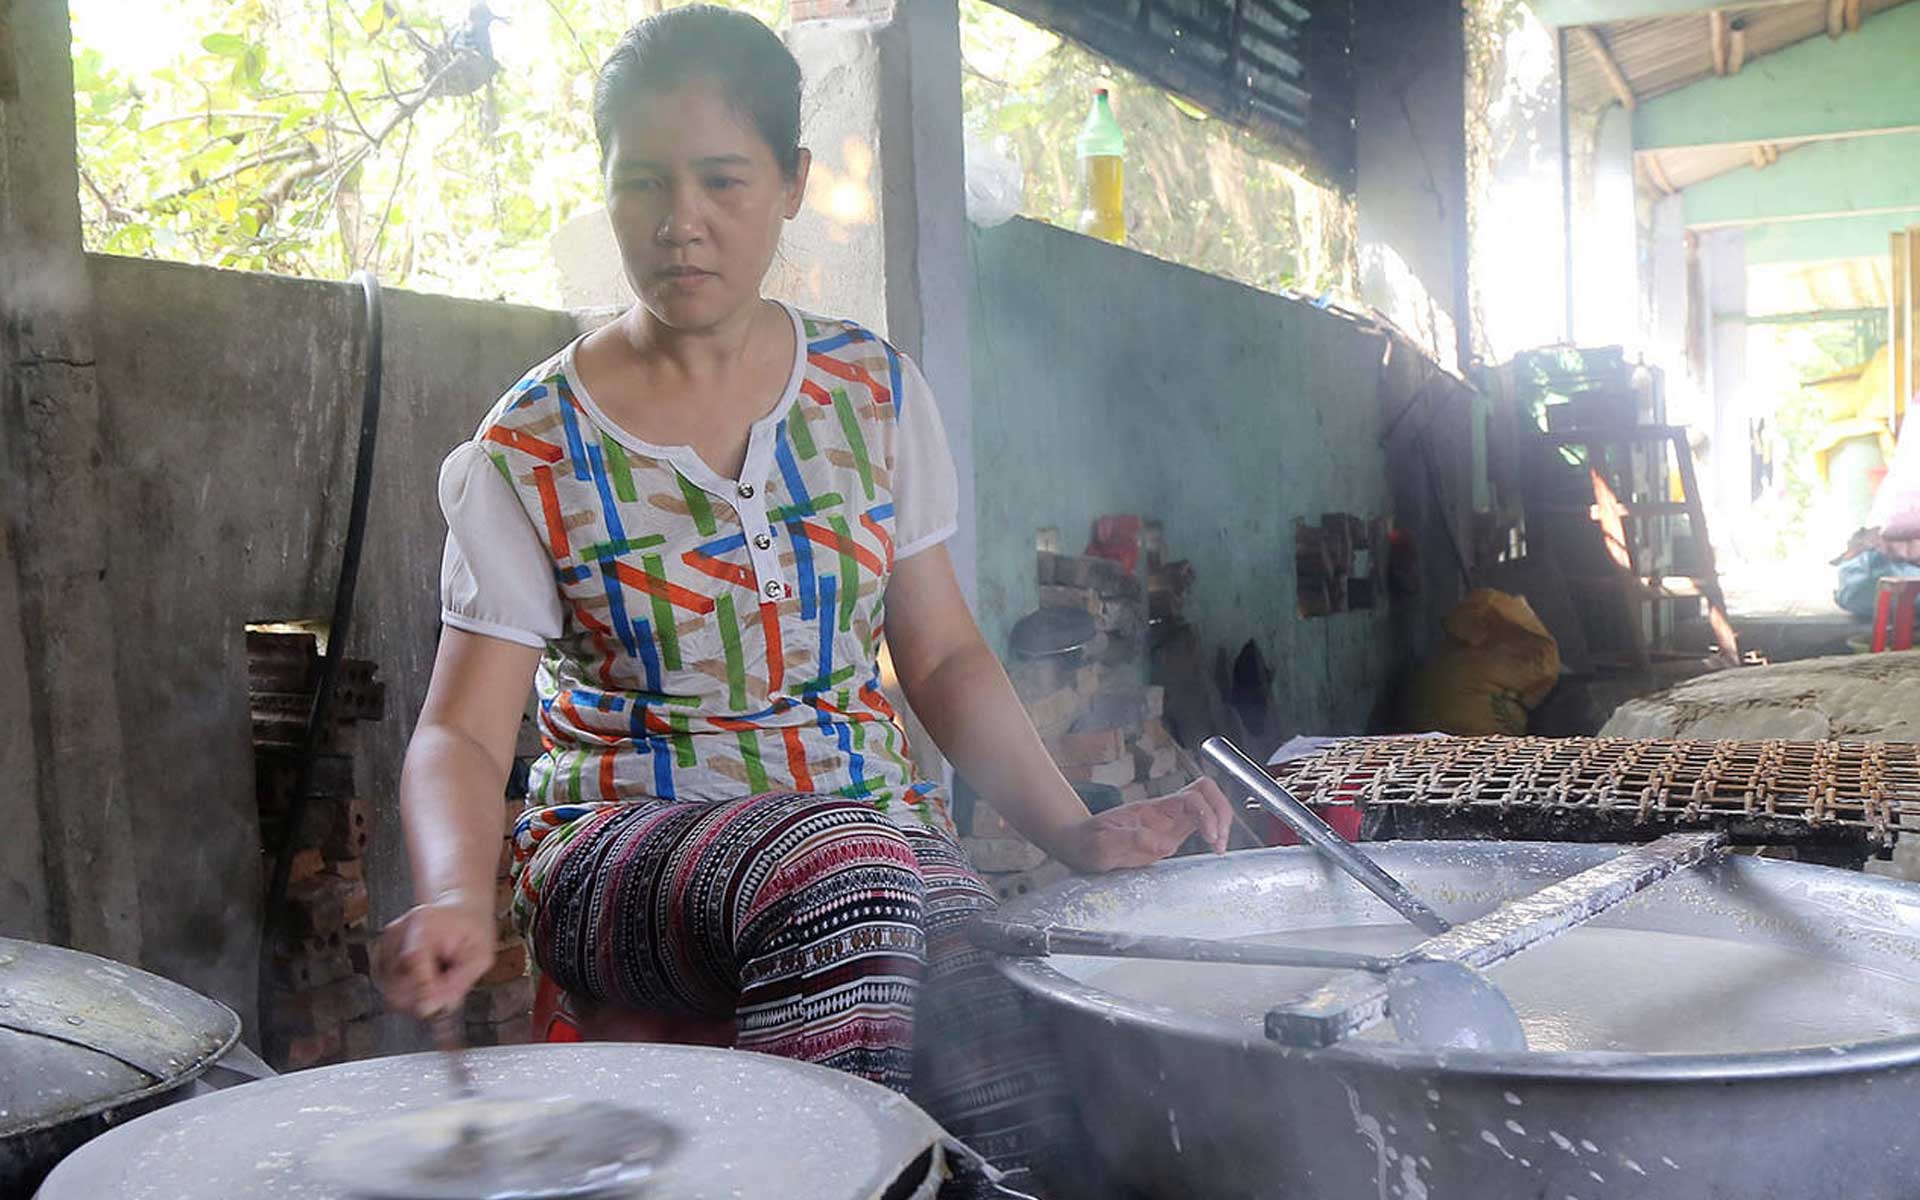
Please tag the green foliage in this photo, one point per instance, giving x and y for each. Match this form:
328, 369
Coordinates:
1198, 191
1781, 359
314, 137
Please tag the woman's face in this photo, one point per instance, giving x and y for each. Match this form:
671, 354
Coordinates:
697, 203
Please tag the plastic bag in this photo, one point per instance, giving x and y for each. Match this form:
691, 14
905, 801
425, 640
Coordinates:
1499, 664
996, 185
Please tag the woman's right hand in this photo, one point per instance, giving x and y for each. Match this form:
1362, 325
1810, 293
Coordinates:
430, 956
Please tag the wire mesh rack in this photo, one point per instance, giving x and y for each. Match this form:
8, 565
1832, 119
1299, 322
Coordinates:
1861, 785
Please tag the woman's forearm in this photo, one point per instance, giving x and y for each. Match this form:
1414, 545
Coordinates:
452, 803
967, 703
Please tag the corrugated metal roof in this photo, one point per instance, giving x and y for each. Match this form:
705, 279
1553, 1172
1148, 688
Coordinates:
1662, 54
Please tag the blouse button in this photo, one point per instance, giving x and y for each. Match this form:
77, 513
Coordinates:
775, 590
763, 541
746, 491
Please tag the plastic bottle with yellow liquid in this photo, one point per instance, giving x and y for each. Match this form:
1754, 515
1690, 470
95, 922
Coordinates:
1101, 146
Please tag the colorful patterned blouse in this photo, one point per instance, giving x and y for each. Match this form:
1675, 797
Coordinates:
705, 638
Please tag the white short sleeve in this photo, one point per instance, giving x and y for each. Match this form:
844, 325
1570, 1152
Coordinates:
926, 500
496, 579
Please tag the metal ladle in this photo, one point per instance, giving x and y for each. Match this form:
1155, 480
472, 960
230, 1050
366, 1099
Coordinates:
1431, 1002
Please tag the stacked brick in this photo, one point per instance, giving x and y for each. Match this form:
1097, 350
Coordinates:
323, 999
499, 1007
1092, 707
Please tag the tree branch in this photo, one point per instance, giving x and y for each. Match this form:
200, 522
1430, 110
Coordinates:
577, 43
289, 155
114, 212
399, 176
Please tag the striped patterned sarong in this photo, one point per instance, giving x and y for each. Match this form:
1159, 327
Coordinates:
829, 933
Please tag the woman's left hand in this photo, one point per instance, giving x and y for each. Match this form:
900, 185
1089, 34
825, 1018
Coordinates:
1146, 831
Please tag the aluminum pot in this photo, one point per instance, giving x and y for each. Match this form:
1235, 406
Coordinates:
86, 1043
1181, 1104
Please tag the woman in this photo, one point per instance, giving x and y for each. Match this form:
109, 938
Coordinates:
689, 523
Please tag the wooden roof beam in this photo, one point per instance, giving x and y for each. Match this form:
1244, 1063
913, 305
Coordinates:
1810, 90
1616, 78
1658, 174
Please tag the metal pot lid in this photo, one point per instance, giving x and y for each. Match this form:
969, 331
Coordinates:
749, 1124
80, 1034
1049, 631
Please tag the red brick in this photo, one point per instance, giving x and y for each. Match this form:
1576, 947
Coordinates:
315, 967
311, 1050
509, 962
307, 862
325, 905
329, 1006
357, 1040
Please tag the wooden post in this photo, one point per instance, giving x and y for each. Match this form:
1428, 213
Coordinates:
1717, 30
1899, 316
1913, 325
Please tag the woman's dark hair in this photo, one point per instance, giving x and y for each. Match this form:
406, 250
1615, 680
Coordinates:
700, 42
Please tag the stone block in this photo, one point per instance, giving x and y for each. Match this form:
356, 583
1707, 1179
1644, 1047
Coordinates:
1168, 784
1093, 746
1002, 855
1074, 571
1149, 763
988, 823
1109, 578
1114, 774
1085, 599
1052, 714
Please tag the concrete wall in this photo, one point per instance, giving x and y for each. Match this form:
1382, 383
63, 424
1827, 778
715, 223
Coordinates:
1409, 61
1106, 381
230, 407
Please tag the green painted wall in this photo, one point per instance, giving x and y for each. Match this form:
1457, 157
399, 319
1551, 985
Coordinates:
1109, 382
1815, 88
1857, 175
1823, 241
